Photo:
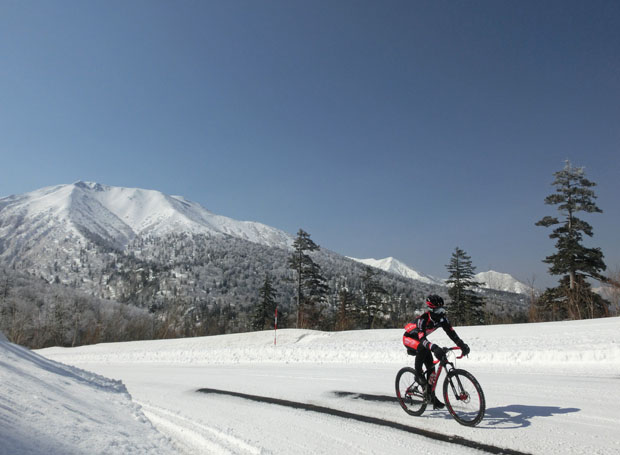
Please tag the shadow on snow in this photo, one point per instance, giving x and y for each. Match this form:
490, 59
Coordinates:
520, 415
503, 417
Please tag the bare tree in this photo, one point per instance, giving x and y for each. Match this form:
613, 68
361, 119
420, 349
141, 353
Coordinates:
533, 296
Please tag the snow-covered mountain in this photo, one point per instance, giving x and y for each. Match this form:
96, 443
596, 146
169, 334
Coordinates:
152, 250
502, 282
492, 280
117, 216
397, 267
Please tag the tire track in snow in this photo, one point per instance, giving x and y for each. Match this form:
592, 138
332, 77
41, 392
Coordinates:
195, 437
372, 420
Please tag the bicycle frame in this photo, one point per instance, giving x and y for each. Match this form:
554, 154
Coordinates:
444, 364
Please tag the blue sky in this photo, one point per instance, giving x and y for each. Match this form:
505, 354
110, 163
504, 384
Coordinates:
396, 128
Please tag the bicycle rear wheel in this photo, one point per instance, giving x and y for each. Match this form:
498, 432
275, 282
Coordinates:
409, 392
464, 397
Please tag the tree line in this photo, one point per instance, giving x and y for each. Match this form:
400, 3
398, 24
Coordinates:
38, 314
368, 306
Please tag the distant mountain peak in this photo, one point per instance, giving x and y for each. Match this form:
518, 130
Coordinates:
502, 282
119, 214
491, 279
89, 185
393, 265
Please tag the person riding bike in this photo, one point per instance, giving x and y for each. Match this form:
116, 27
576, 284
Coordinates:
418, 345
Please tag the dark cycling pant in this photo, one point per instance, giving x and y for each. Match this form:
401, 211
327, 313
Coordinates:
423, 357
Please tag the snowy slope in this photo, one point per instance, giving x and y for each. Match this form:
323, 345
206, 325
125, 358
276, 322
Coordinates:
50, 408
397, 267
118, 215
551, 388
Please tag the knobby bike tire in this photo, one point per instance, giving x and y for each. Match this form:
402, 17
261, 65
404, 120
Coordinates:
464, 397
409, 392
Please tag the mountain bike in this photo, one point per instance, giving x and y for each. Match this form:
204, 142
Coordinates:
462, 393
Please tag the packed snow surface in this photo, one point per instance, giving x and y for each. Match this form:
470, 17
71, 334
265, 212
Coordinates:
551, 388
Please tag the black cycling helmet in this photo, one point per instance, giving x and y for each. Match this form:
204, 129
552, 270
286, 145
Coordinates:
434, 302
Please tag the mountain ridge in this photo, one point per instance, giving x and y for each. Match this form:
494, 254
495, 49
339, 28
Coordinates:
491, 279
393, 265
119, 214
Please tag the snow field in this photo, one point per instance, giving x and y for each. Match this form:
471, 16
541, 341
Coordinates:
551, 388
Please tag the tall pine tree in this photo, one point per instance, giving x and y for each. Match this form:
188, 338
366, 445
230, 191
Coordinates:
347, 315
466, 307
264, 312
375, 306
573, 261
311, 285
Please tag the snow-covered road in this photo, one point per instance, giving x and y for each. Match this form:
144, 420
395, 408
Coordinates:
546, 400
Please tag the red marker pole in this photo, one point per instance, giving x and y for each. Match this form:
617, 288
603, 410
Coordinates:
275, 328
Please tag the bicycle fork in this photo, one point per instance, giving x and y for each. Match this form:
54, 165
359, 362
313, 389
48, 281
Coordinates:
459, 391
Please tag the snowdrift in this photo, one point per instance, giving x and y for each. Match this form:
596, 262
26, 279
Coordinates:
50, 408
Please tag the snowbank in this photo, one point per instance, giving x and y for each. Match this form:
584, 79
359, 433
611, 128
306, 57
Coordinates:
572, 343
49, 408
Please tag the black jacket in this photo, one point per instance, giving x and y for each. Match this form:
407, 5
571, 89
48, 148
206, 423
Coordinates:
416, 332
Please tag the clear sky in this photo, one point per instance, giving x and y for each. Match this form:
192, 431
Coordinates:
382, 128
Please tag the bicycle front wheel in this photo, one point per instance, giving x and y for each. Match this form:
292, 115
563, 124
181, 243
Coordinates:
464, 397
409, 392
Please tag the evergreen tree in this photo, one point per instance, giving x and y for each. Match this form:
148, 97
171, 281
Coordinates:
311, 285
374, 293
572, 260
315, 296
467, 306
264, 312
347, 314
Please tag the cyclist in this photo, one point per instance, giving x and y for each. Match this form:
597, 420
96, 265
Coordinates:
417, 344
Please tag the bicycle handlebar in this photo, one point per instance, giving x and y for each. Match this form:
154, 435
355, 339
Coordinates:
446, 350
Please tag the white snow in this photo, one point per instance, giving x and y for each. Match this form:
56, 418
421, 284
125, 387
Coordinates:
49, 408
551, 388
